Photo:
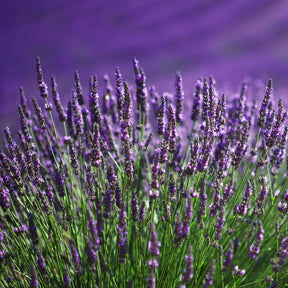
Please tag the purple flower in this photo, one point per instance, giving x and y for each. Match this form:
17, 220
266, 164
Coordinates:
178, 228
255, 247
40, 261
34, 278
59, 180
202, 207
39, 114
119, 92
160, 115
78, 89
264, 106
91, 255
241, 146
187, 217
229, 257
56, 99
188, 270
210, 275
142, 212
134, 207
282, 256
107, 201
196, 101
4, 198
152, 265
262, 196
33, 230
122, 234
66, 278
276, 129
77, 116
153, 244
42, 85
243, 206
141, 90
172, 125
238, 271
94, 106
75, 258
219, 225
172, 187
205, 103
155, 170
179, 97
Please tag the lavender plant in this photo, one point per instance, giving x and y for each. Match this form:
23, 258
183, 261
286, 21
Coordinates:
110, 195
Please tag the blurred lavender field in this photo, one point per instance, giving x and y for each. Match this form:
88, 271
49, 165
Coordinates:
227, 39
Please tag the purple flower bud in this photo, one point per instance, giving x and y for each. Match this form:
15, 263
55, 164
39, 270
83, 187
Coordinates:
59, 180
23, 101
243, 206
141, 90
78, 88
179, 97
229, 257
91, 255
203, 200
94, 106
39, 114
210, 275
188, 217
33, 230
77, 116
264, 106
262, 196
160, 115
196, 101
142, 212
75, 258
40, 261
151, 281
153, 244
107, 201
282, 256
188, 271
172, 125
238, 271
122, 234
42, 85
4, 198
178, 228
134, 207
276, 129
34, 278
96, 154
255, 247
119, 92
56, 99
66, 278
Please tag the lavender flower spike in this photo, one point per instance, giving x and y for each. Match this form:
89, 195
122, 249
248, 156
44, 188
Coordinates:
264, 106
42, 85
255, 247
75, 258
210, 276
153, 244
179, 97
66, 278
34, 279
188, 271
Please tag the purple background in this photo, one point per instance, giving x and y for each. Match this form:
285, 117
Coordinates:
226, 39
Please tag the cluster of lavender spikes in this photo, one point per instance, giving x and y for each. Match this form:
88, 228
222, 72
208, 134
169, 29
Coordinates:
136, 189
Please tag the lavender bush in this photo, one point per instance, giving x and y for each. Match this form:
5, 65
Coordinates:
134, 189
